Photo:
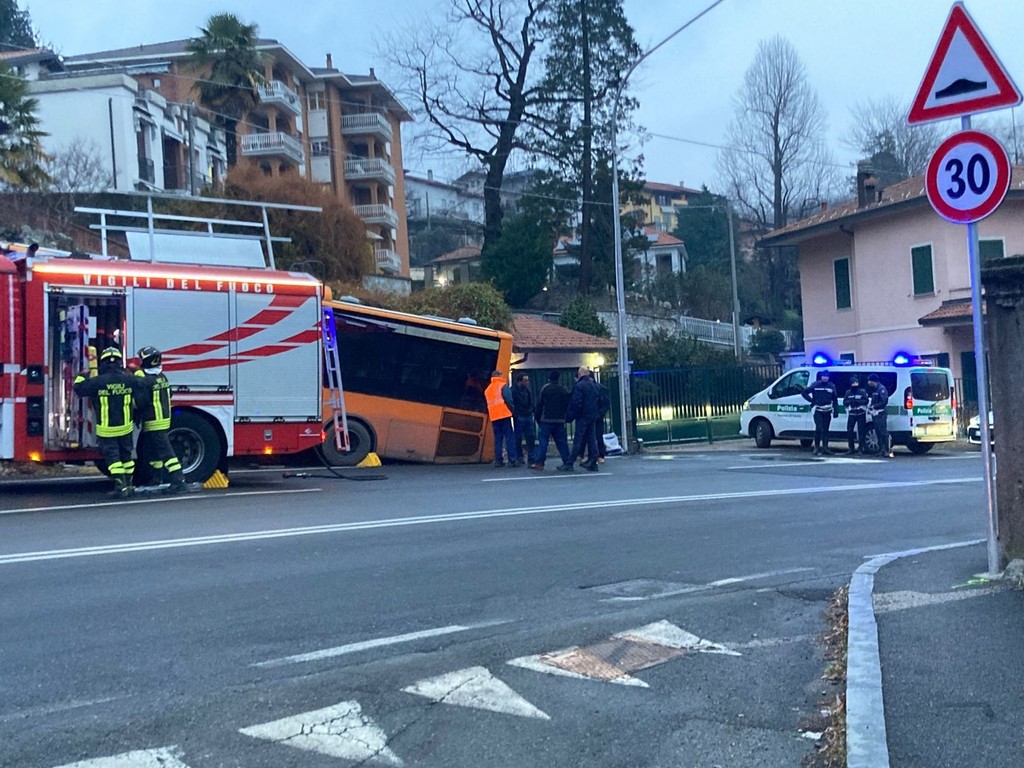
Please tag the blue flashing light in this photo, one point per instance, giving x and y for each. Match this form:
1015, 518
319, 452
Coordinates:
901, 358
820, 358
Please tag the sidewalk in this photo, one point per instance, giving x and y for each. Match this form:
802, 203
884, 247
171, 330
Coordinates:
952, 663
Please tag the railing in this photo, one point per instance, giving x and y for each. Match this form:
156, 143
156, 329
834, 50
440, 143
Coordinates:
277, 143
387, 260
366, 168
369, 122
277, 92
147, 170
377, 214
713, 332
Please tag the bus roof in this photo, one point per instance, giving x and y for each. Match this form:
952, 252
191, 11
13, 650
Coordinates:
427, 321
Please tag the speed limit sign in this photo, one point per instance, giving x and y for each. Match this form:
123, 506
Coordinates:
968, 176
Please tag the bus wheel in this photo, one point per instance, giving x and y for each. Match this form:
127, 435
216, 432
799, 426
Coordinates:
763, 433
918, 448
197, 446
360, 444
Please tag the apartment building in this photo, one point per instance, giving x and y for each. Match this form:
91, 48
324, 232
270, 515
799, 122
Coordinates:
659, 204
340, 130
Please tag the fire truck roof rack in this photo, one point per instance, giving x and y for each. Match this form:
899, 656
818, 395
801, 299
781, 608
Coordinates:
181, 246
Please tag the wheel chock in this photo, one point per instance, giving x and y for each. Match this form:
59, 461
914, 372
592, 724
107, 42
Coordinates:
217, 480
371, 460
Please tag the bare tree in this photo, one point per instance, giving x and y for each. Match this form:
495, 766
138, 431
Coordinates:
78, 167
777, 158
879, 131
1004, 127
472, 78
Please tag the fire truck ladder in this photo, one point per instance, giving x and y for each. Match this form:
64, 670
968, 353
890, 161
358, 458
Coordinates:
332, 366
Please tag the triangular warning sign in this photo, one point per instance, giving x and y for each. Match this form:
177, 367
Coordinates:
964, 75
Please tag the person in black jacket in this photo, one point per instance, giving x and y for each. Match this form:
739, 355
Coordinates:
878, 402
551, 407
856, 404
603, 403
112, 393
825, 404
583, 409
525, 428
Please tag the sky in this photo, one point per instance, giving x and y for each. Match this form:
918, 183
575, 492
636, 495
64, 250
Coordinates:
854, 50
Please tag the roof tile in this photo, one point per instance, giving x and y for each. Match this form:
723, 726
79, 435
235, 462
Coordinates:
532, 333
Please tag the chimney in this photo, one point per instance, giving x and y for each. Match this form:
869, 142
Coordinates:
330, 62
824, 206
372, 73
430, 175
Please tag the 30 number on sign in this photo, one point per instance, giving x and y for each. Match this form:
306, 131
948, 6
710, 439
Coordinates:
968, 176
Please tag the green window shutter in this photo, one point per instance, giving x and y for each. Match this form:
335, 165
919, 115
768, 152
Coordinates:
990, 250
841, 268
924, 278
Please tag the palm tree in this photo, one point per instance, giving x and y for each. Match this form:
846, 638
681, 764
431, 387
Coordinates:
21, 150
232, 70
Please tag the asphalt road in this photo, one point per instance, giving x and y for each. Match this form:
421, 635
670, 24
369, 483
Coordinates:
661, 612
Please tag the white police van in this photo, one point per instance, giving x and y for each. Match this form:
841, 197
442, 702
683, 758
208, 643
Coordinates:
921, 409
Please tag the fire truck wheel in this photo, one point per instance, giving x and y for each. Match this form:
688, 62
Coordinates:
197, 445
359, 441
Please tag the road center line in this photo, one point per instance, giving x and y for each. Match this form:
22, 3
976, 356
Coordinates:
380, 642
707, 587
559, 476
159, 499
397, 522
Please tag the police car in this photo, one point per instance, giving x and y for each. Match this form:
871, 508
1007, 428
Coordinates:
921, 408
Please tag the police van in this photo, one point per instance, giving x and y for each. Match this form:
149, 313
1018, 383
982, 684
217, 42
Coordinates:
921, 408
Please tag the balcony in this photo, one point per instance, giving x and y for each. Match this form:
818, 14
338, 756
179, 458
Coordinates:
377, 214
370, 123
370, 170
387, 260
275, 144
278, 94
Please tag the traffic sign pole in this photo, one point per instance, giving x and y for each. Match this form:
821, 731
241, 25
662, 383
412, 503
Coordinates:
981, 369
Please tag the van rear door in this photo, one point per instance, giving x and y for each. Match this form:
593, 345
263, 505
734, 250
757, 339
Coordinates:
932, 411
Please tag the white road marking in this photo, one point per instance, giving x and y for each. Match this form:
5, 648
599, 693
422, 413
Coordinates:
380, 642
806, 463
668, 634
900, 600
475, 688
958, 457
341, 730
535, 664
548, 476
705, 587
162, 499
166, 757
319, 530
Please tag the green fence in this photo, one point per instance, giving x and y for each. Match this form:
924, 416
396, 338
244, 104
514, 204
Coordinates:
690, 404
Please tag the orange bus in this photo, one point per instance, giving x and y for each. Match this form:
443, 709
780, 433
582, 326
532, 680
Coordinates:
414, 385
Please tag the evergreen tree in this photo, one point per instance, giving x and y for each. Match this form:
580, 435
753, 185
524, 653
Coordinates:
703, 224
518, 262
21, 151
16, 31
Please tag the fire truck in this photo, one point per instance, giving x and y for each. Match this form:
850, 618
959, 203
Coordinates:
242, 347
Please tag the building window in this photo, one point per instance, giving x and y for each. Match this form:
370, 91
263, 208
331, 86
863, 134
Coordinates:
924, 274
991, 249
317, 100
849, 357
320, 148
841, 270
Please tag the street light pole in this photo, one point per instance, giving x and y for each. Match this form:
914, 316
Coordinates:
737, 346
625, 406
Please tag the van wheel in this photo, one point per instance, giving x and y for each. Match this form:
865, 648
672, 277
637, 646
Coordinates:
360, 443
763, 433
196, 444
918, 448
871, 445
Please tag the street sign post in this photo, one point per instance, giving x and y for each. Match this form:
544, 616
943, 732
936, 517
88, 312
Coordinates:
968, 177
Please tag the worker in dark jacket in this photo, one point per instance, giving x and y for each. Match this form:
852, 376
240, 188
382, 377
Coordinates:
154, 412
878, 402
112, 394
523, 423
552, 404
603, 404
583, 410
856, 404
825, 403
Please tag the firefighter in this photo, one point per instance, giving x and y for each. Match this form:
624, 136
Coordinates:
112, 392
154, 413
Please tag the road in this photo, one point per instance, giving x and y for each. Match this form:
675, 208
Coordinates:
662, 612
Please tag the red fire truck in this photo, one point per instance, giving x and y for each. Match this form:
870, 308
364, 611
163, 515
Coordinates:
242, 348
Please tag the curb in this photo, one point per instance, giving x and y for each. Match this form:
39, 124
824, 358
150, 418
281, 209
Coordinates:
866, 745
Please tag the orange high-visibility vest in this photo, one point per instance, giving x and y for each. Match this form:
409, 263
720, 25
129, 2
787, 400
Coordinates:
496, 407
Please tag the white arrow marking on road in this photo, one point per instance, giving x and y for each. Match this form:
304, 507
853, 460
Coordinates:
475, 688
166, 757
668, 634
341, 731
536, 664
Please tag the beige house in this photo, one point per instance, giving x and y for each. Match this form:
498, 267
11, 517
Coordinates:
885, 274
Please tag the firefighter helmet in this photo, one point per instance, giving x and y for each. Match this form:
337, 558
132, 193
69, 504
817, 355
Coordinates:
111, 355
150, 357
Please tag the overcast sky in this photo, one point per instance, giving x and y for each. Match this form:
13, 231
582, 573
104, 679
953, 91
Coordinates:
853, 50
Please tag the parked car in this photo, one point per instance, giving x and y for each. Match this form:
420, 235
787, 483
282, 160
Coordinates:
974, 430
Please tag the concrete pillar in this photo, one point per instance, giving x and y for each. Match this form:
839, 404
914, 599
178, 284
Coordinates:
1004, 320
